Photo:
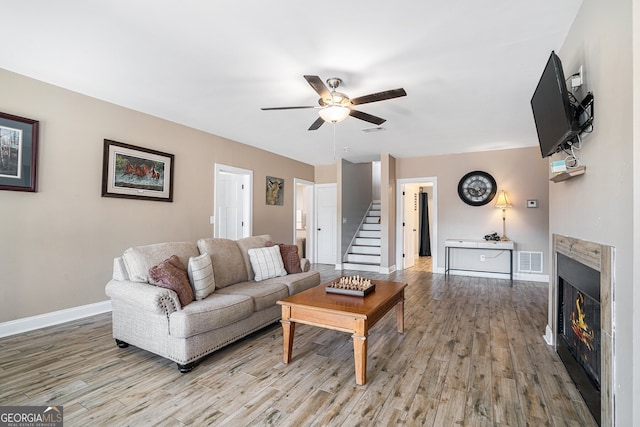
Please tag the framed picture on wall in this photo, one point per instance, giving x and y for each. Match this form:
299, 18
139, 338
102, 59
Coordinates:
275, 191
136, 173
18, 153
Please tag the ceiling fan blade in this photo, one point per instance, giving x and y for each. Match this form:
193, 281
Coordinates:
317, 85
380, 96
288, 108
319, 121
367, 117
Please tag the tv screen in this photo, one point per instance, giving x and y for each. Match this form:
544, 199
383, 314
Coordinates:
552, 109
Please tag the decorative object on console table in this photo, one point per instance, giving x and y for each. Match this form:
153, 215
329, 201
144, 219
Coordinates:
275, 191
136, 173
18, 153
503, 203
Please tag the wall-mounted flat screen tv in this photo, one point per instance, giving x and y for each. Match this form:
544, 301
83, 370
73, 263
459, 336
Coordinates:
553, 111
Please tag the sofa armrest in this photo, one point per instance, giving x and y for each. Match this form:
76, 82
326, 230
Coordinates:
305, 265
144, 296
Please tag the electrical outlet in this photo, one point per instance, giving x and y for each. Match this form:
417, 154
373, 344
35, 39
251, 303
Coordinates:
482, 258
581, 75
578, 79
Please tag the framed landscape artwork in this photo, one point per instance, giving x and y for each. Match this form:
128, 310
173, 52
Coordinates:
136, 173
18, 153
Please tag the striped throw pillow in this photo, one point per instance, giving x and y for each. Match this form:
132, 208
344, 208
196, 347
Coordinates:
201, 276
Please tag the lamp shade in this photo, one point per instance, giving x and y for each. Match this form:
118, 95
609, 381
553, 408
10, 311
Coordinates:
334, 113
503, 200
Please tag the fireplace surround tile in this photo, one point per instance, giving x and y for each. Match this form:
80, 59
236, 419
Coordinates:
600, 258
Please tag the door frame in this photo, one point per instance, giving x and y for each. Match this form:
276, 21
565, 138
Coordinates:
310, 246
247, 180
433, 217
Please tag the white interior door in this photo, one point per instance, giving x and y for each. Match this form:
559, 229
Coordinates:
326, 223
232, 202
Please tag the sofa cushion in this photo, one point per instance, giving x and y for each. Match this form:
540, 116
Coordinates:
172, 274
290, 257
266, 263
138, 260
226, 259
264, 295
296, 282
213, 312
201, 276
252, 242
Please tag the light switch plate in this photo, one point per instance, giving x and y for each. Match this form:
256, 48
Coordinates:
532, 203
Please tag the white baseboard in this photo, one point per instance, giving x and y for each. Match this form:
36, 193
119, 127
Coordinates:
54, 318
548, 336
388, 270
542, 278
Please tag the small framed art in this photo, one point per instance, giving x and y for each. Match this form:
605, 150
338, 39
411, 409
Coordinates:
136, 173
275, 191
18, 153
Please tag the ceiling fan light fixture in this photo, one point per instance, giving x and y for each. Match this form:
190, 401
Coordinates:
334, 113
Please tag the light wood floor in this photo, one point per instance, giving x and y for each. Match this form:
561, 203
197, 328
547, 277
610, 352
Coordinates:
472, 354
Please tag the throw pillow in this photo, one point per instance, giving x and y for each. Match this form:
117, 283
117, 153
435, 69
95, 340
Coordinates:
201, 276
290, 257
266, 263
171, 274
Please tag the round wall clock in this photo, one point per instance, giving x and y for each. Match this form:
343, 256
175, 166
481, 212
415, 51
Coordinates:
477, 188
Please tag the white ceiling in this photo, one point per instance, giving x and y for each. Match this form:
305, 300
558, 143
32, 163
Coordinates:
469, 67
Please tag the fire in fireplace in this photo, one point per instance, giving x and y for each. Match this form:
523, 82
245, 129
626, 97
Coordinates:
578, 333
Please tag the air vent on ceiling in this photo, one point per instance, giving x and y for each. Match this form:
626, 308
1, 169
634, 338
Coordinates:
530, 262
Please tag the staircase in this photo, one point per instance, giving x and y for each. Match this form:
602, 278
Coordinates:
364, 252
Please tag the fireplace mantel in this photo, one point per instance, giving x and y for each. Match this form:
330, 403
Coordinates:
600, 258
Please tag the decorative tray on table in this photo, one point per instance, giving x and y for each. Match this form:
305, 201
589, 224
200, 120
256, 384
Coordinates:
355, 285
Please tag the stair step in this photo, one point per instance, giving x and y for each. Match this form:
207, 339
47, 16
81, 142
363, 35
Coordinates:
363, 241
371, 250
372, 220
375, 227
369, 233
361, 267
373, 213
364, 259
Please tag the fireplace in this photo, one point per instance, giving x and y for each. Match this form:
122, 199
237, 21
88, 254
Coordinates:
581, 319
578, 333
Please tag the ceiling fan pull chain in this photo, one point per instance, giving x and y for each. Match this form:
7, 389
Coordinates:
334, 141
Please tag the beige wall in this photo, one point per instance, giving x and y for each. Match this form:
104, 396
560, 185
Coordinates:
326, 174
521, 172
57, 245
599, 206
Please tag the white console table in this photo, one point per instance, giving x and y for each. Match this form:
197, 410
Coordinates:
477, 244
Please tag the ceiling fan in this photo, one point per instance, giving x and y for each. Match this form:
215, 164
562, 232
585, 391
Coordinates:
336, 106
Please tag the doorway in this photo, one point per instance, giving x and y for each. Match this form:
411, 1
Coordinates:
303, 218
233, 207
416, 202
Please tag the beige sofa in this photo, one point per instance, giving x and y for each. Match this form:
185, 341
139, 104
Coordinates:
153, 318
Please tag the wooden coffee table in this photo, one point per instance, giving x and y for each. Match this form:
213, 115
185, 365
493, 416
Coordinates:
345, 313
